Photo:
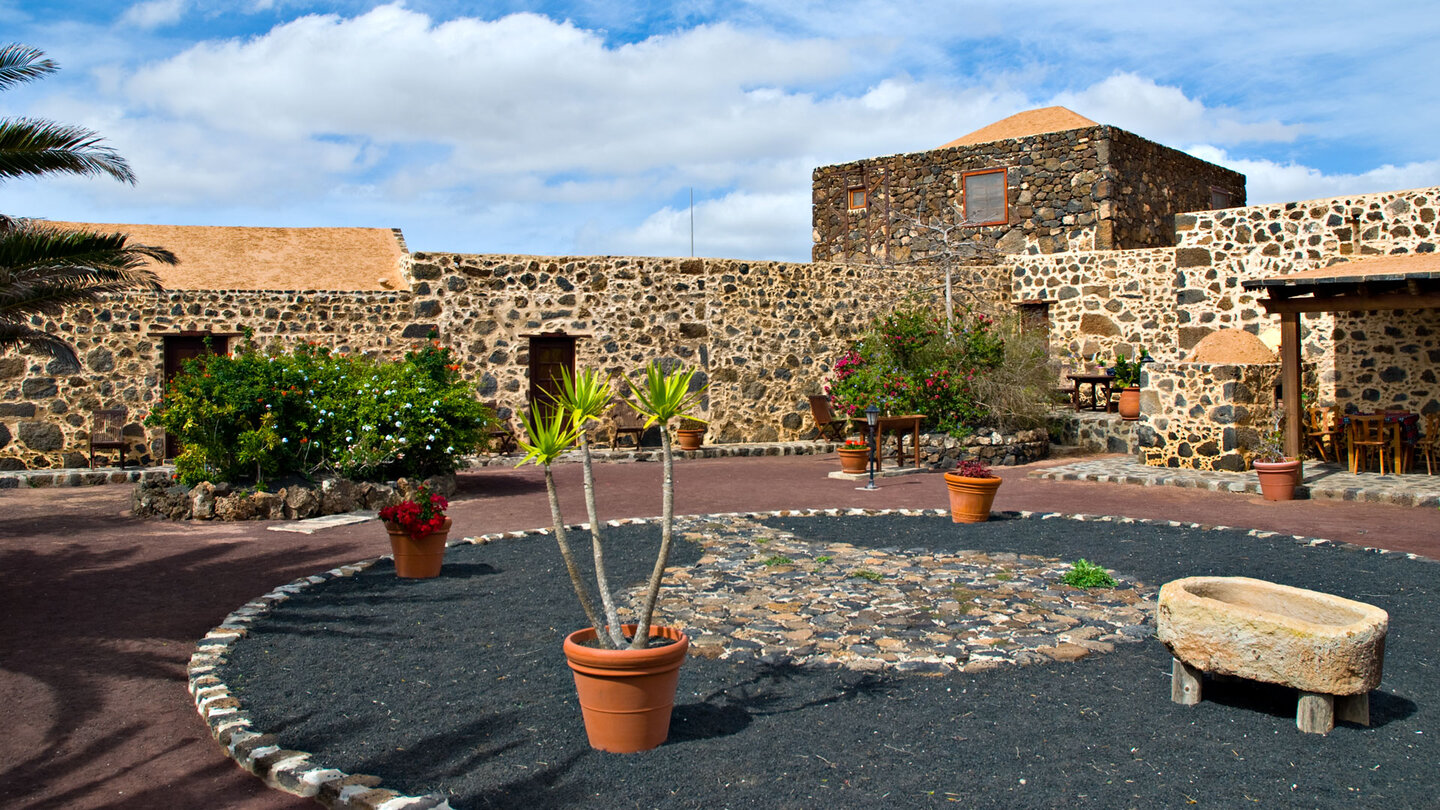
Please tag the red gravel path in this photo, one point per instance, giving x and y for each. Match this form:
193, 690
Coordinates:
99, 611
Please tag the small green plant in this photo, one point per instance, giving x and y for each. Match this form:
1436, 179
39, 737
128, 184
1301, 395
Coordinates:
1004, 576
1270, 443
865, 573
824, 558
762, 541
1085, 574
778, 559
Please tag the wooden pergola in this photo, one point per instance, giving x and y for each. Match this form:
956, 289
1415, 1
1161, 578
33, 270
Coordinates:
1403, 281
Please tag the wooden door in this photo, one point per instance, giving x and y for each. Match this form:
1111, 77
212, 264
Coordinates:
550, 356
175, 351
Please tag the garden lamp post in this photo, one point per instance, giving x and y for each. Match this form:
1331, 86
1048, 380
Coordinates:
872, 418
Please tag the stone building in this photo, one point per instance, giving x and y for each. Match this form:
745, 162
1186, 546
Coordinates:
1038, 182
1116, 243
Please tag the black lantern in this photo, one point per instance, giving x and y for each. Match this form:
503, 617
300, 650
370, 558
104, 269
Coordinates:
872, 418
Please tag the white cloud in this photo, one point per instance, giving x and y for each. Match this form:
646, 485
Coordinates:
1269, 182
739, 225
154, 13
1166, 115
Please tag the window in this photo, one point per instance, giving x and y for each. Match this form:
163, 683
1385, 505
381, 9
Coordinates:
858, 198
985, 197
1220, 198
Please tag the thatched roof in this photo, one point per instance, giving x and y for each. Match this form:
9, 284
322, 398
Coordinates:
238, 258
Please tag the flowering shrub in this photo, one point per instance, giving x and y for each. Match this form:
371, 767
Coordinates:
973, 468
856, 444
906, 363
419, 515
255, 415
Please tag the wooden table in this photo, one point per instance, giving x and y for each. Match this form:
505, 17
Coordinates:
1096, 382
899, 425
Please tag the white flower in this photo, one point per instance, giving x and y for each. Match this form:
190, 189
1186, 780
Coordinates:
284, 441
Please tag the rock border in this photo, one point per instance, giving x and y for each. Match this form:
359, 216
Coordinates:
261, 754
164, 498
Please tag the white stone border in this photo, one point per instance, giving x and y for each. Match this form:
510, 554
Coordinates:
293, 771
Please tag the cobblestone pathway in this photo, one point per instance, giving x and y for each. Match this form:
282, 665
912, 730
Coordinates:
759, 591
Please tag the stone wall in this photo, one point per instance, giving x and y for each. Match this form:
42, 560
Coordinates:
1106, 301
1154, 184
1096, 188
1218, 250
761, 333
1204, 416
46, 405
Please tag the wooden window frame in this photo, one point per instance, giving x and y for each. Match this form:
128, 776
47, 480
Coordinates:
1005, 197
850, 198
1230, 198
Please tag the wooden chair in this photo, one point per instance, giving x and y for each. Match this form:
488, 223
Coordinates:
825, 422
106, 433
1368, 435
1429, 444
1324, 431
502, 436
627, 423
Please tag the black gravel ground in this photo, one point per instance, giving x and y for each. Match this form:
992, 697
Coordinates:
457, 685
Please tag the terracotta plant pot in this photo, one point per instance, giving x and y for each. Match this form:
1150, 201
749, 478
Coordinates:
854, 459
970, 498
1278, 479
626, 695
418, 558
690, 438
1130, 404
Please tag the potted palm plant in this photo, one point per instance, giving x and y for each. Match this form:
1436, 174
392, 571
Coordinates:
418, 530
972, 489
1278, 473
625, 673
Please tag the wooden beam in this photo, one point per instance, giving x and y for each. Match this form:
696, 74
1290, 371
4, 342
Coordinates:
1352, 303
1290, 383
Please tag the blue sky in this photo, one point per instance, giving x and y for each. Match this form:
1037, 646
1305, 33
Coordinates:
581, 127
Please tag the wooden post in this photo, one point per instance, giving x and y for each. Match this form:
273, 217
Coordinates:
1353, 708
1315, 713
1184, 683
1290, 382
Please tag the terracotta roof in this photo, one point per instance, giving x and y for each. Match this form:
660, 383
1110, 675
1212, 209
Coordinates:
235, 258
1025, 124
1394, 267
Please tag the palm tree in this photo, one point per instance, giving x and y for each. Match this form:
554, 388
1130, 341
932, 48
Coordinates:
43, 269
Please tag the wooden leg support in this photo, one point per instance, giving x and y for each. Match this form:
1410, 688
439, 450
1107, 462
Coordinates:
1316, 713
1184, 683
1353, 708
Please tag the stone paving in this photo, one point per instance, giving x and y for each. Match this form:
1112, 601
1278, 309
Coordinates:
1321, 481
762, 592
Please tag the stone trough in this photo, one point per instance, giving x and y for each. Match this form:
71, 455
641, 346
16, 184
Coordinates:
1329, 648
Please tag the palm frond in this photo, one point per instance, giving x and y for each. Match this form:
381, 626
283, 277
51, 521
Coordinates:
31, 146
13, 335
42, 268
665, 396
21, 63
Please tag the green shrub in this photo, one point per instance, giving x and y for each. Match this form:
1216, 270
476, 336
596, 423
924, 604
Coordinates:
1085, 574
908, 363
255, 415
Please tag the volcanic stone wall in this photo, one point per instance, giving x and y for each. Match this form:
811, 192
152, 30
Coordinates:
761, 333
1204, 416
1365, 360
1096, 188
1103, 301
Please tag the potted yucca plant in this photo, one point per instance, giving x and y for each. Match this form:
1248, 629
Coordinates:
1277, 473
625, 673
